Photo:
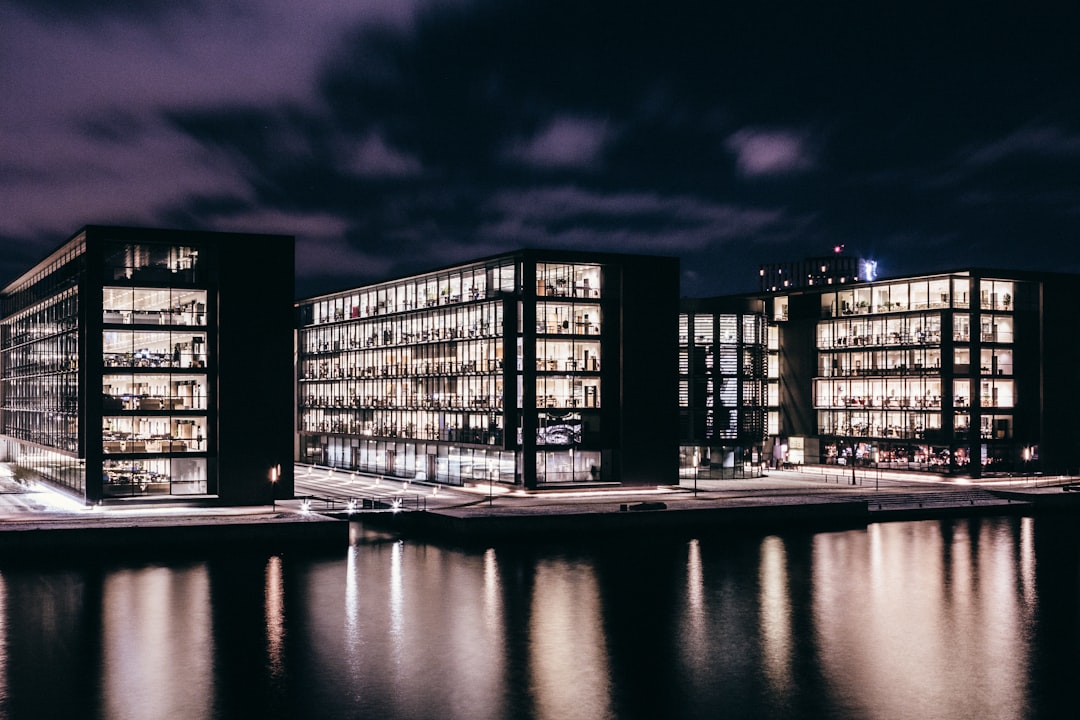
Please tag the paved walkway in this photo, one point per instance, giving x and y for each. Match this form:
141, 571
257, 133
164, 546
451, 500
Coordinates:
320, 490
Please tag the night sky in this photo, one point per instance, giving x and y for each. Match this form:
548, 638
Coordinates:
392, 136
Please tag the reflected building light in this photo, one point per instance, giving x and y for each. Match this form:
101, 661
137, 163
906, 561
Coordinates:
1005, 652
695, 583
1027, 565
695, 630
275, 618
775, 614
901, 617
156, 627
492, 606
569, 670
397, 609
352, 596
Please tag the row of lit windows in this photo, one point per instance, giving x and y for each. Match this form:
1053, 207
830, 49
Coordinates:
943, 292
721, 328
568, 318
51, 354
880, 362
910, 392
54, 317
51, 429
568, 355
152, 434
911, 425
154, 349
43, 393
450, 392
427, 291
460, 358
482, 428
924, 328
153, 392
460, 323
558, 391
153, 306
991, 361
567, 280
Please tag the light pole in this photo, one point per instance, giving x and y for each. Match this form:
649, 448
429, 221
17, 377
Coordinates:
275, 471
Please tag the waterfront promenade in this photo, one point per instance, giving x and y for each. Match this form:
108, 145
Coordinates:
812, 498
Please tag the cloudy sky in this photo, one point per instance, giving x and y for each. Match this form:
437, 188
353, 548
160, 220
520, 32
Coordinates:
398, 135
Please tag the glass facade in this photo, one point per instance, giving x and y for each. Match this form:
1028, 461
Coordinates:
113, 377
436, 376
911, 374
39, 367
154, 385
723, 392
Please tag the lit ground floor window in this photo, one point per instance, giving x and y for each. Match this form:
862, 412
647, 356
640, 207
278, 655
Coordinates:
989, 457
154, 476
720, 462
429, 462
568, 466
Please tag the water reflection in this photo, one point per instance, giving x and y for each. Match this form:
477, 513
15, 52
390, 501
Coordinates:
569, 675
275, 618
935, 633
954, 619
157, 644
775, 613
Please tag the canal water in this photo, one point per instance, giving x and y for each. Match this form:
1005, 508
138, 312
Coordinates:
959, 618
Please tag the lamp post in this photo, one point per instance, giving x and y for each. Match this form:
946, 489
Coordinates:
275, 472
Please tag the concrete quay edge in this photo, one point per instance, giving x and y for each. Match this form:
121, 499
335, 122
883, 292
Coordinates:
141, 535
479, 524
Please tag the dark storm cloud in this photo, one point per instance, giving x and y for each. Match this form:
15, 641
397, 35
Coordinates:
393, 136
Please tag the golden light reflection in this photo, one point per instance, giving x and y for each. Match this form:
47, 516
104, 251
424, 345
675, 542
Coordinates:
275, 618
492, 602
1027, 566
775, 614
352, 596
157, 627
397, 609
915, 642
695, 630
569, 673
695, 582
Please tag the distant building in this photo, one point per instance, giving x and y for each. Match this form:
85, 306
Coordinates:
834, 269
533, 369
138, 363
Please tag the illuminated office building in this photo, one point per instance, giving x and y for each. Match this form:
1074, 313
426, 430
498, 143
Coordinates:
963, 372
533, 369
141, 363
722, 387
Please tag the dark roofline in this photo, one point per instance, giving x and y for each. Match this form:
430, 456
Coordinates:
128, 230
538, 254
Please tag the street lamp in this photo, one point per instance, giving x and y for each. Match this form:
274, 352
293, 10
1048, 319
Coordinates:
275, 472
